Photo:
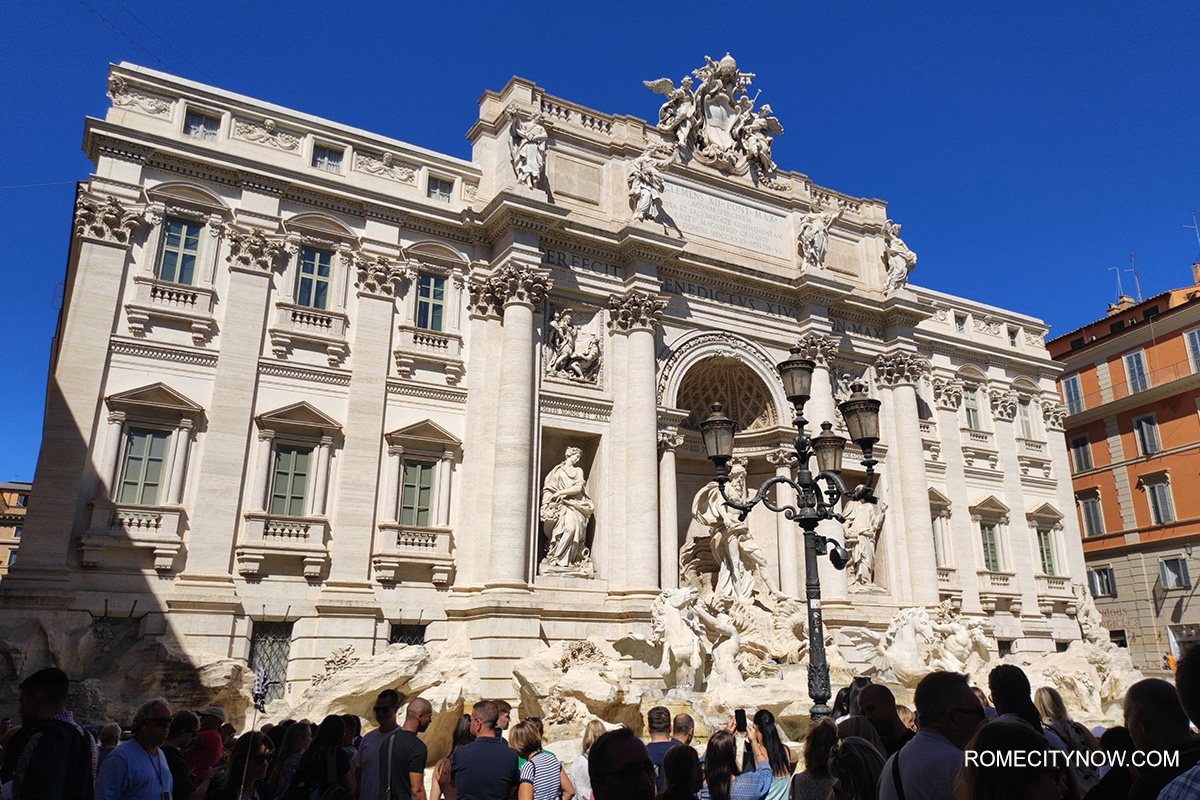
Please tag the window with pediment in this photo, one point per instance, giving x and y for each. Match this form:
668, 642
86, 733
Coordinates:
431, 341
310, 312
991, 518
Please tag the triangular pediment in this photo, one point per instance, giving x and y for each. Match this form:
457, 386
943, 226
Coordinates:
1044, 513
300, 415
157, 398
425, 433
989, 506
939, 501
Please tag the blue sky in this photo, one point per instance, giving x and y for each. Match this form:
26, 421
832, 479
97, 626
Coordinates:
1025, 147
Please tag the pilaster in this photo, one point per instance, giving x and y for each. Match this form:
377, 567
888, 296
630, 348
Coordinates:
668, 509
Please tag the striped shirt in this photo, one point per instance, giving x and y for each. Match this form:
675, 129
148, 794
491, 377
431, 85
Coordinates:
544, 771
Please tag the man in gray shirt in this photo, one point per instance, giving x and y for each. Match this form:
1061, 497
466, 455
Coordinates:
948, 713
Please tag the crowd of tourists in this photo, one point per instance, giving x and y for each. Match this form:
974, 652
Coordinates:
959, 743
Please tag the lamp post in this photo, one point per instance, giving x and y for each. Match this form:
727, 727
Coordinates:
817, 496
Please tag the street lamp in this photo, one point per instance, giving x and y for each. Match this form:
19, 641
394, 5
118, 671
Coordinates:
814, 501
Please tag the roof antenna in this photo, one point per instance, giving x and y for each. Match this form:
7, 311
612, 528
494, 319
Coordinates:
1120, 291
1136, 284
1196, 227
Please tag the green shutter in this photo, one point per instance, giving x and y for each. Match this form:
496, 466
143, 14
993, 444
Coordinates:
289, 488
991, 553
1046, 546
142, 466
416, 497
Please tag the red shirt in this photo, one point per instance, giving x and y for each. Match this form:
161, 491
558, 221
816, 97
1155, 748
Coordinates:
204, 754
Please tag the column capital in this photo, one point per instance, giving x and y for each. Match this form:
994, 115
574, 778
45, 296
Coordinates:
1004, 403
900, 369
395, 450
669, 439
515, 284
108, 221
116, 417
377, 275
635, 310
782, 456
266, 435
819, 348
186, 424
1055, 415
947, 393
251, 250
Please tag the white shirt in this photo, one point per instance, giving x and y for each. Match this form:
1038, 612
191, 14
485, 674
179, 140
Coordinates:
929, 766
580, 779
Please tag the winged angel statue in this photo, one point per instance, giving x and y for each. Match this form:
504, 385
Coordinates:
711, 116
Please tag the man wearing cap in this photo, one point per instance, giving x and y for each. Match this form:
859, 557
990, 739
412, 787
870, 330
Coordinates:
206, 751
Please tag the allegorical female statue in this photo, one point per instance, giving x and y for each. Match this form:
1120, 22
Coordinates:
565, 512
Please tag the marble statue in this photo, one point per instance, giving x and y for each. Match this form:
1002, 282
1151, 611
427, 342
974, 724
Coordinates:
896, 654
754, 131
573, 352
646, 184
725, 650
565, 512
864, 521
814, 232
956, 642
676, 646
738, 559
527, 147
898, 258
677, 115
1091, 624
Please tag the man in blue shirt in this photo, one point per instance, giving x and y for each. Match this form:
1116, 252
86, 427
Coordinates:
658, 722
138, 768
485, 769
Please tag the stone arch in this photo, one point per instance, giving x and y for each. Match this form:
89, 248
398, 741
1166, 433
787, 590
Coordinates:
971, 374
320, 224
710, 362
186, 192
428, 249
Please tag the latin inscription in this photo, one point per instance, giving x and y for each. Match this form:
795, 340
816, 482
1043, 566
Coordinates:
716, 218
857, 328
558, 258
689, 289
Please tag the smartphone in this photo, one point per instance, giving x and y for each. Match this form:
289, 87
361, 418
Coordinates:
739, 720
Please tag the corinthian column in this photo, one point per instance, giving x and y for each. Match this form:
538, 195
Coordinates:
785, 529
899, 372
636, 315
517, 289
668, 510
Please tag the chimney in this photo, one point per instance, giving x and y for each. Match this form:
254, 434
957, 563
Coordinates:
1125, 301
1196, 272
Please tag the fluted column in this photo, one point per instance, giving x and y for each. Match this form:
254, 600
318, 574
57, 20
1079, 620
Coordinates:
636, 315
668, 510
785, 529
821, 349
899, 372
517, 289
948, 393
183, 438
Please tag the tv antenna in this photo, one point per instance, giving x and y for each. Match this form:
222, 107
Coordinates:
1120, 291
1196, 227
1133, 268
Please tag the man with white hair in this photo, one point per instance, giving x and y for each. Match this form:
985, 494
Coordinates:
138, 768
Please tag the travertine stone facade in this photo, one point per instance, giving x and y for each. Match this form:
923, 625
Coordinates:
341, 415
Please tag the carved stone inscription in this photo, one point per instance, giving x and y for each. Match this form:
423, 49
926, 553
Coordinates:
713, 217
690, 289
558, 258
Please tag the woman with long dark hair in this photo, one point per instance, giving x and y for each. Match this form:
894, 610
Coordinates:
778, 753
443, 781
722, 780
682, 774
855, 765
245, 776
296, 740
324, 764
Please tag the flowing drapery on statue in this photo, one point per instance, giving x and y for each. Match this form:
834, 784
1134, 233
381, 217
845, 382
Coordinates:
565, 512
737, 557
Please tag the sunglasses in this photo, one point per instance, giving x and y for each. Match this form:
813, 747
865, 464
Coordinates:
381, 710
162, 722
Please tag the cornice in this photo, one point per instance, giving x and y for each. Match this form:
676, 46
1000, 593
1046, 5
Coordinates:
304, 374
426, 391
161, 352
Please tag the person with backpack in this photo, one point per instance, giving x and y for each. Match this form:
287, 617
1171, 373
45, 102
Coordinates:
324, 770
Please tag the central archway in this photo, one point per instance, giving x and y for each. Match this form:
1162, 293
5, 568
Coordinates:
722, 379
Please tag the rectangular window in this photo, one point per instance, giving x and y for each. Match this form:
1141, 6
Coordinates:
1013, 333
289, 485
1093, 522
1158, 493
1081, 453
991, 547
1174, 573
960, 323
1046, 550
270, 645
142, 467
431, 302
1118, 638
201, 126
971, 407
16, 531
327, 158
1025, 418
1193, 346
316, 268
940, 556
12, 557
1147, 435
1004, 647
22, 501
1072, 394
416, 497
180, 250
407, 634
1135, 372
439, 189
1102, 582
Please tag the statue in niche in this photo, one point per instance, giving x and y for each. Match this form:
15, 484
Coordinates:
739, 561
527, 147
565, 512
864, 521
897, 257
814, 232
574, 353
646, 184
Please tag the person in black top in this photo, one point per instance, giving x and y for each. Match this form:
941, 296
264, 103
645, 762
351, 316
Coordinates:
183, 729
60, 758
658, 723
325, 764
485, 769
877, 703
1157, 721
402, 755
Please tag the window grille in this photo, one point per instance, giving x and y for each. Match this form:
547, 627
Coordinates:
407, 634
270, 644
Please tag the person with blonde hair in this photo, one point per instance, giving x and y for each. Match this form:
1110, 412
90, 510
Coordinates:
542, 774
579, 769
855, 765
1077, 738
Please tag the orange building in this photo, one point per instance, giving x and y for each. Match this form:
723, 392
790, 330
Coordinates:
14, 499
1131, 384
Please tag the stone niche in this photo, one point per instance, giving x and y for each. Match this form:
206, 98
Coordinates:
554, 446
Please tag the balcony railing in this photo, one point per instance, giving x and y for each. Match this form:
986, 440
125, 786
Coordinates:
398, 546
266, 535
155, 528
1121, 389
